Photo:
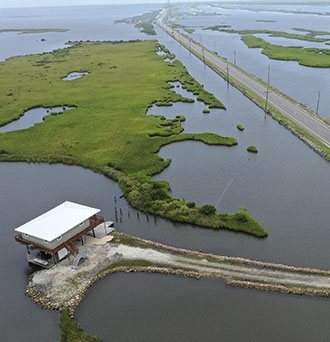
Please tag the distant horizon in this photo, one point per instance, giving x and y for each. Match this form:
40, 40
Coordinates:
51, 3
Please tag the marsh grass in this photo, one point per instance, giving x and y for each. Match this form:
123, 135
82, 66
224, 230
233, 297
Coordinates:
29, 31
311, 57
154, 197
252, 149
144, 22
304, 35
71, 330
108, 130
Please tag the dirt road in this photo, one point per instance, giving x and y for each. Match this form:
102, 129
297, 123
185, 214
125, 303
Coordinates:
64, 286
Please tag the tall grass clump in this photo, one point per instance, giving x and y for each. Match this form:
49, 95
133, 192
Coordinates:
71, 330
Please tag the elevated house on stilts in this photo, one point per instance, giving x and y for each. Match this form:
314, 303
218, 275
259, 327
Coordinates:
52, 236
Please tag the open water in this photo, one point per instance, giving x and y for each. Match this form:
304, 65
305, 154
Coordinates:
285, 186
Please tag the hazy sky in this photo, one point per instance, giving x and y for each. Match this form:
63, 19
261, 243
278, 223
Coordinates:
41, 3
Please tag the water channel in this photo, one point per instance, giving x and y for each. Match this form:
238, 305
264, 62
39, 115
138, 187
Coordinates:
285, 186
74, 76
285, 76
32, 117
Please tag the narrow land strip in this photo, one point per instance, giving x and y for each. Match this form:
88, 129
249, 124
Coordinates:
115, 109
277, 102
62, 286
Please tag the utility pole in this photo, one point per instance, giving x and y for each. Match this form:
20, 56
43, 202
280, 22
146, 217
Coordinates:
318, 103
227, 75
234, 57
202, 51
203, 57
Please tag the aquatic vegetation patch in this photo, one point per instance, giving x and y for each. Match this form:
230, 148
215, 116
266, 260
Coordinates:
311, 57
180, 118
305, 35
144, 22
72, 331
29, 31
252, 149
153, 197
183, 27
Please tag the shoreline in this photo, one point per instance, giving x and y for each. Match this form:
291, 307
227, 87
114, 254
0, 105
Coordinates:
311, 139
62, 287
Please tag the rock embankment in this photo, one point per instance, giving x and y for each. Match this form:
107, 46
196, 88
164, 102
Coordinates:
61, 286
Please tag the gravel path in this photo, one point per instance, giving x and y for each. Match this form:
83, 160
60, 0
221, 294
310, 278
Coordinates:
64, 286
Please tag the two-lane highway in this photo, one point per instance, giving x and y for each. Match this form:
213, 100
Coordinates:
279, 102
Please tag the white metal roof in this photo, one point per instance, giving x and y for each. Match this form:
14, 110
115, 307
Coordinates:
57, 221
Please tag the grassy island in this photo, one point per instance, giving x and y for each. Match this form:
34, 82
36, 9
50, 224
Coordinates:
29, 31
305, 35
311, 57
252, 149
144, 22
108, 130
